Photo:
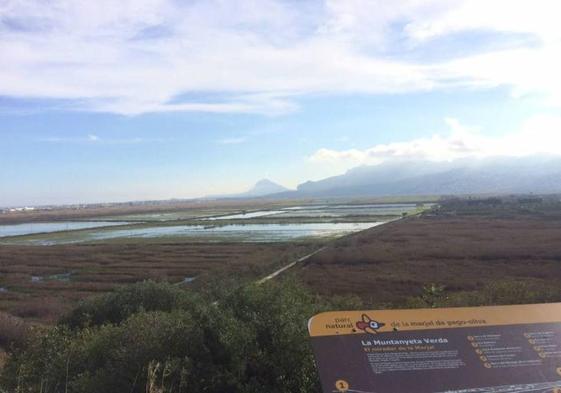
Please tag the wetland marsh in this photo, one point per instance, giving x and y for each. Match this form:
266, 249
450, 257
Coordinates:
292, 223
48, 266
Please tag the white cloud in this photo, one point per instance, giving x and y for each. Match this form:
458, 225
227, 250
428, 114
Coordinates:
138, 56
538, 135
231, 141
537, 17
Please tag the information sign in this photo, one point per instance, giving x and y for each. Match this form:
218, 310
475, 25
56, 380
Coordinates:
476, 349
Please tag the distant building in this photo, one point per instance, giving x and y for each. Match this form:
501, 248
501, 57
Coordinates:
21, 209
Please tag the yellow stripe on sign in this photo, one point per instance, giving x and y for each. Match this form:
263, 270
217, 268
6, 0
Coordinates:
345, 322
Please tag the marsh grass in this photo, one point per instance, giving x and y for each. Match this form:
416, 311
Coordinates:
465, 247
101, 268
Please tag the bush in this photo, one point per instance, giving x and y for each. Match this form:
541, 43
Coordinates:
117, 306
153, 337
44, 352
13, 331
280, 359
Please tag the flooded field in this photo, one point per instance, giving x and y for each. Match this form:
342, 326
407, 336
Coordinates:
280, 224
323, 210
47, 227
170, 216
348, 210
258, 233
247, 215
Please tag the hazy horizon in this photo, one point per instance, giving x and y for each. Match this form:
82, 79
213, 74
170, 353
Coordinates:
155, 100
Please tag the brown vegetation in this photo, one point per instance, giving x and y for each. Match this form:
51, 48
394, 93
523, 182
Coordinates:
40, 283
462, 250
117, 209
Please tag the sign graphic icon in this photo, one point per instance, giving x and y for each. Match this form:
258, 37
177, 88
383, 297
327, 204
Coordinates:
369, 325
342, 386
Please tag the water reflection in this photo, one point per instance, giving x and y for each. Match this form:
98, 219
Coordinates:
48, 227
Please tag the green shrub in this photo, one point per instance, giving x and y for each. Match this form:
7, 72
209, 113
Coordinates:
45, 351
157, 338
277, 317
117, 306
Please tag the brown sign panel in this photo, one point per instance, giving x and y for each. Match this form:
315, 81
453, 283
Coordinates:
453, 350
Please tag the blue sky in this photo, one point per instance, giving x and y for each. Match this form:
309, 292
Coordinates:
157, 99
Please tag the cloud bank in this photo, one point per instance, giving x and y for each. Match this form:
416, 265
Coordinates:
138, 56
538, 135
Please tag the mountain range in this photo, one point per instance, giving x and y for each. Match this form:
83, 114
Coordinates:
262, 188
499, 175
537, 174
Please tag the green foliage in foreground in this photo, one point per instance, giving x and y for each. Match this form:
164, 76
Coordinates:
153, 337
157, 338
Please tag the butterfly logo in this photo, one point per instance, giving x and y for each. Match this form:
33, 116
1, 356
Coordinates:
369, 325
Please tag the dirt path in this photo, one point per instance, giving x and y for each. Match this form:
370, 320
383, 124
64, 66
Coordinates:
299, 260
308, 256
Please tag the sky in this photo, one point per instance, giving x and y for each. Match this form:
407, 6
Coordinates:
155, 99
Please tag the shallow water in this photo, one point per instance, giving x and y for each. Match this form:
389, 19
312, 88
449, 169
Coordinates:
264, 230
249, 232
325, 211
253, 231
260, 213
170, 216
47, 227
243, 233
348, 210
